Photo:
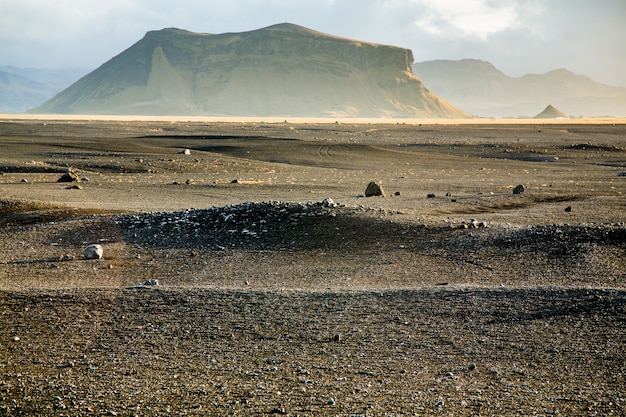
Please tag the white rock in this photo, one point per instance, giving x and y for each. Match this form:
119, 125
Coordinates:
93, 252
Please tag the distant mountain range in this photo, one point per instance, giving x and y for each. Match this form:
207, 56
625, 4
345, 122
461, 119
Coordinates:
281, 70
481, 89
18, 94
24, 88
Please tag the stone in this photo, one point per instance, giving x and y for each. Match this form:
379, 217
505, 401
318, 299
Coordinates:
69, 176
93, 252
374, 189
519, 189
185, 152
568, 209
431, 195
329, 203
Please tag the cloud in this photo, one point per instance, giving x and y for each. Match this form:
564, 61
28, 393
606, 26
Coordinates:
478, 18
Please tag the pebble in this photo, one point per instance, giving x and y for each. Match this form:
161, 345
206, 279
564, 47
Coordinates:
331, 401
151, 282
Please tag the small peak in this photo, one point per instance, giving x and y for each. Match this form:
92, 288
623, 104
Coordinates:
551, 112
293, 29
288, 27
165, 32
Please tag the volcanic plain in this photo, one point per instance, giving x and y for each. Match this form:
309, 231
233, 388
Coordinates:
282, 289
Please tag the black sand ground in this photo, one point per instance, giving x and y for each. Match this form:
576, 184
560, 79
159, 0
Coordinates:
479, 302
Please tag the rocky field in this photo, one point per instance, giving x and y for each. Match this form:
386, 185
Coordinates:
244, 272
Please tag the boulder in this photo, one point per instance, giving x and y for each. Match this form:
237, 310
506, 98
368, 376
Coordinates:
519, 189
93, 252
69, 176
374, 189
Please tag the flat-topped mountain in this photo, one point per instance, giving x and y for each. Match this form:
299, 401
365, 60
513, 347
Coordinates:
481, 89
281, 70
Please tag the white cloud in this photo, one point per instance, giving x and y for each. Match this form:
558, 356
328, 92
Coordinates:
478, 18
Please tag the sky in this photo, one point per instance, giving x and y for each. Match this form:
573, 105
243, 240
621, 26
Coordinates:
517, 36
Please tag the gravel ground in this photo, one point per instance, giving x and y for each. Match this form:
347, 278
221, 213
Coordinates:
143, 351
271, 298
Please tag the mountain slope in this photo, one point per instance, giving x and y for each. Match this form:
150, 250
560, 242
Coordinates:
481, 89
281, 70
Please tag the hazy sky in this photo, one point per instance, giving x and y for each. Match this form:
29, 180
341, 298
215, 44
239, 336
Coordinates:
518, 36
